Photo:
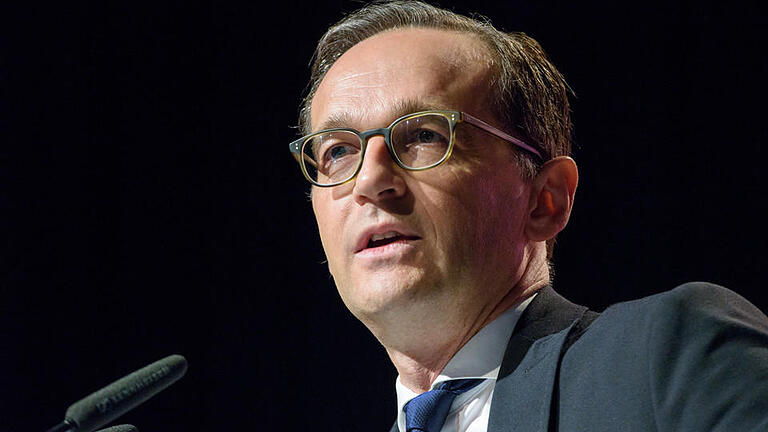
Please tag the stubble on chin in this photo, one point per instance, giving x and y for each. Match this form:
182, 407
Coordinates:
381, 298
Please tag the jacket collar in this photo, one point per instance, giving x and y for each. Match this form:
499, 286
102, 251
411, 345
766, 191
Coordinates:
522, 397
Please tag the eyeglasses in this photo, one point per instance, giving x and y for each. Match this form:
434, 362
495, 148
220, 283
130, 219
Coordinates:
416, 142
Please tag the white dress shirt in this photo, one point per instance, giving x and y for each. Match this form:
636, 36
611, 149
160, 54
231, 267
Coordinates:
480, 358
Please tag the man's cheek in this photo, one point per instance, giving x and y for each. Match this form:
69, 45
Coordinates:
336, 262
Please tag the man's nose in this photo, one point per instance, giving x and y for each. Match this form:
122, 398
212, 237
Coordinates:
380, 177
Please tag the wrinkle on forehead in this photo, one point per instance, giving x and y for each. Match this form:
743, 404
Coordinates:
380, 81
348, 85
355, 75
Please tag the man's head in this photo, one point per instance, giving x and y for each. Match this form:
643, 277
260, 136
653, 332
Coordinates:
528, 94
466, 233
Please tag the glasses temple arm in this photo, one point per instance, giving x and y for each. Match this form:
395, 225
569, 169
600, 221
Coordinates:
501, 134
309, 159
305, 157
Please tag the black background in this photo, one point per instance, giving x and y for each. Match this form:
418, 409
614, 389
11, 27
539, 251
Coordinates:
149, 204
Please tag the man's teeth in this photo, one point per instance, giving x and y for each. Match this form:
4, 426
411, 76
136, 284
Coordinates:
386, 235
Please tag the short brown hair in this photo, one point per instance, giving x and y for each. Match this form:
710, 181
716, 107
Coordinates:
530, 94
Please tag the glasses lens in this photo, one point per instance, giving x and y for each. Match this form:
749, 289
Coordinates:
331, 157
421, 141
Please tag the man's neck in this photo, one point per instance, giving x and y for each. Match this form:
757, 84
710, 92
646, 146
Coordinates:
419, 367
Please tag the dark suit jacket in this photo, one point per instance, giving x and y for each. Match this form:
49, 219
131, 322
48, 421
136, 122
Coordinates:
691, 359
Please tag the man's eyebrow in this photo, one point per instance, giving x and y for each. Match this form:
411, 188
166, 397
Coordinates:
337, 120
410, 106
399, 109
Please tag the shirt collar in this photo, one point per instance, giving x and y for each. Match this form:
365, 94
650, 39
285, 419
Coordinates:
481, 357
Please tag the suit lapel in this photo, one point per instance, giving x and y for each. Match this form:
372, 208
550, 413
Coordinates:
522, 397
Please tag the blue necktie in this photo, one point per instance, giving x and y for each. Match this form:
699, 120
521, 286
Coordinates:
427, 411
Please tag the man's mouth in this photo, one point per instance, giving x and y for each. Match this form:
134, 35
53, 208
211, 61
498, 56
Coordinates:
378, 240
381, 239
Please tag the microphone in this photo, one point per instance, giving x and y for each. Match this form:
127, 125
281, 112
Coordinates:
120, 428
123, 395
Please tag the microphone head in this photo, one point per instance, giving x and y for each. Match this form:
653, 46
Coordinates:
121, 396
120, 428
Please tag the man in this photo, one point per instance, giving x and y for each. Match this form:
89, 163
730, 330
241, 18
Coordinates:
438, 149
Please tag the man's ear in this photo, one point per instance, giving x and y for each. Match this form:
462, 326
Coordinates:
551, 200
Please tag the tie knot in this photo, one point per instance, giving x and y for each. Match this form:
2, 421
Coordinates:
427, 411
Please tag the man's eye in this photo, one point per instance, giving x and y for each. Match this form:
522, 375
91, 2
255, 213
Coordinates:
426, 136
338, 151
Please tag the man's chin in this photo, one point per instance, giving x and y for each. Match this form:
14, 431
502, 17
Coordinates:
381, 296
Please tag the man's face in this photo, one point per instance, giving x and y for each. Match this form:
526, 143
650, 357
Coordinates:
457, 230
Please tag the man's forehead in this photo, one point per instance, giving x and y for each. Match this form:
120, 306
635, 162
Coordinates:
353, 117
399, 72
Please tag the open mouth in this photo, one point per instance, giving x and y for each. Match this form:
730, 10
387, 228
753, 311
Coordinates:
379, 240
